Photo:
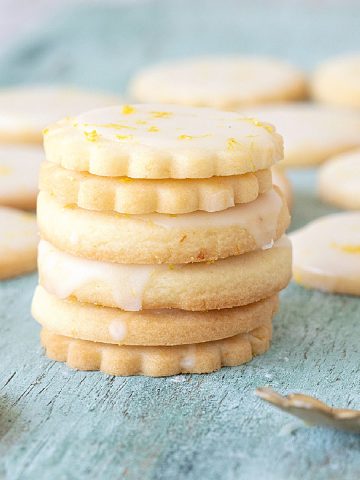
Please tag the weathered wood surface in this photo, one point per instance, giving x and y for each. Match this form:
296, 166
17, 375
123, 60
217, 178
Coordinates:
60, 424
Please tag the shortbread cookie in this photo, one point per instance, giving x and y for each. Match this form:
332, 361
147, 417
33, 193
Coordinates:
312, 133
135, 196
151, 327
160, 238
221, 82
281, 180
337, 81
19, 171
156, 361
339, 181
26, 111
162, 141
226, 283
327, 254
18, 242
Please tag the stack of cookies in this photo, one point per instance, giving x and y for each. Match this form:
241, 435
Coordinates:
163, 247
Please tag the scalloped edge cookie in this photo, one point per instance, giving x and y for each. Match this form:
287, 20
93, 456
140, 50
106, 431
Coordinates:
231, 282
159, 361
162, 141
136, 196
152, 327
159, 238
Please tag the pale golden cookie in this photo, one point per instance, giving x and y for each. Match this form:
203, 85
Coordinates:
281, 180
226, 283
150, 327
19, 171
136, 196
18, 242
339, 181
157, 361
312, 133
160, 238
221, 82
26, 111
162, 141
337, 81
327, 254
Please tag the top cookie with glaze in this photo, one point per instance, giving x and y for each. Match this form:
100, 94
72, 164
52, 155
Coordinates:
162, 141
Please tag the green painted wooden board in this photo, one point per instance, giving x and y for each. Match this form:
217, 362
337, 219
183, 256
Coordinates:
60, 424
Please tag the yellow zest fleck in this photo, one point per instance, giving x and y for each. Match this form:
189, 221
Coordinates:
128, 110
141, 122
118, 126
257, 123
45, 131
125, 180
161, 114
92, 136
153, 129
171, 266
346, 248
232, 143
4, 170
124, 137
173, 215
191, 137
75, 124
210, 262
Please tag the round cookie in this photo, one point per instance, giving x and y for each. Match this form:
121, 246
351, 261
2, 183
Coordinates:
156, 361
151, 327
281, 180
159, 238
312, 133
136, 196
18, 242
339, 181
226, 283
26, 111
337, 81
220, 82
19, 171
162, 141
327, 254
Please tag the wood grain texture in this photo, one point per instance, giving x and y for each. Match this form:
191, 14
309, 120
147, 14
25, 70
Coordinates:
61, 424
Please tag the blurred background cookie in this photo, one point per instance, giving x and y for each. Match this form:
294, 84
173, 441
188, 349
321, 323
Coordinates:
26, 111
221, 82
19, 171
337, 81
339, 181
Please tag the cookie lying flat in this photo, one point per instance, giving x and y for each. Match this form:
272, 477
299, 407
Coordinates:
312, 133
160, 360
337, 81
221, 82
160, 238
281, 180
327, 254
150, 327
19, 171
339, 181
135, 196
162, 141
26, 111
231, 282
18, 242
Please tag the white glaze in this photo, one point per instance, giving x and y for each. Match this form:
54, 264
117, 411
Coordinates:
328, 249
118, 330
178, 128
259, 218
64, 273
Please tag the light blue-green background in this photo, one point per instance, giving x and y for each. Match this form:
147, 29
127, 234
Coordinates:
59, 424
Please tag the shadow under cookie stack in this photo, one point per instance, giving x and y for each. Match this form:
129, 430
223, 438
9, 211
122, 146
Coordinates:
162, 240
